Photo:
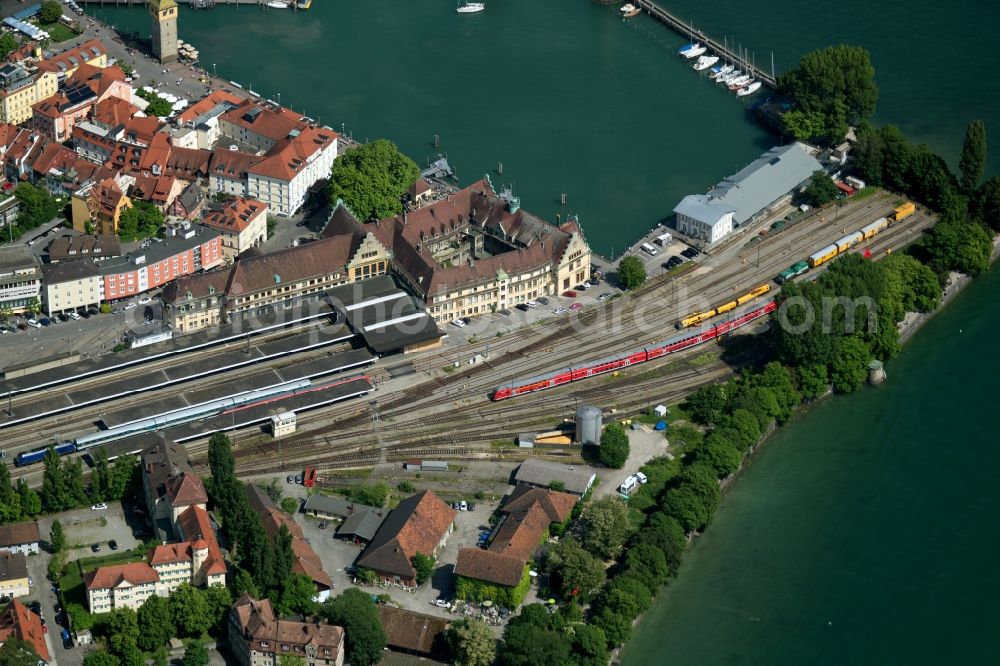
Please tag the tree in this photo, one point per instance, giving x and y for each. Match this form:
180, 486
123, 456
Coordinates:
75, 486
614, 448
838, 83
627, 594
31, 503
10, 501
132, 656
424, 566
8, 44
372, 179
921, 289
100, 475
803, 125
721, 454
813, 380
985, 204
122, 630
51, 11
284, 558
471, 643
617, 628
605, 525
957, 245
220, 600
16, 652
706, 405
648, 564
741, 427
54, 483
353, 610
694, 500
821, 189
972, 163
590, 645
243, 583
296, 596
57, 538
123, 472
195, 655
527, 644
156, 625
665, 533
631, 272
850, 365
576, 572
223, 469
99, 658
190, 611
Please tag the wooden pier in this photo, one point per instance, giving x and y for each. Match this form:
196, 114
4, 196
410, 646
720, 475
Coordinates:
668, 19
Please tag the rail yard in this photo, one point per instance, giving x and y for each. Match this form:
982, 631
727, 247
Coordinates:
436, 403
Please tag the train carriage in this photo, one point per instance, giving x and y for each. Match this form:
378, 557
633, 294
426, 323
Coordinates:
847, 242
756, 292
822, 256
876, 227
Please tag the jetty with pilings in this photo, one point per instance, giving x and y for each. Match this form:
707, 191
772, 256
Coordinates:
194, 4
721, 50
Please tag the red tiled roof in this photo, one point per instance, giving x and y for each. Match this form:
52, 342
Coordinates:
16, 620
19, 534
170, 552
275, 123
207, 103
231, 164
54, 156
288, 157
416, 525
154, 189
490, 566
557, 505
236, 215
185, 489
195, 525
135, 573
115, 111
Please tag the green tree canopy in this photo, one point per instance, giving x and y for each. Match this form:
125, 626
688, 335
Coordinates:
57, 538
353, 610
722, 454
921, 289
424, 566
16, 652
190, 611
605, 526
837, 82
803, 125
985, 205
850, 365
156, 625
707, 404
617, 628
526, 644
627, 594
590, 646
575, 572
372, 179
972, 163
50, 12
31, 502
647, 564
631, 272
8, 44
665, 533
471, 643
122, 630
614, 448
195, 654
98, 658
10, 501
821, 189
296, 596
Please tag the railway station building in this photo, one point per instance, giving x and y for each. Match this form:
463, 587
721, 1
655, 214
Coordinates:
746, 195
476, 251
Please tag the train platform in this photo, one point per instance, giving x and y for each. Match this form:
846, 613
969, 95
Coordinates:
227, 333
320, 367
222, 361
387, 317
325, 393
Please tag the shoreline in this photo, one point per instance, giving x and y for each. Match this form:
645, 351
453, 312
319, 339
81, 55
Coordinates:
910, 325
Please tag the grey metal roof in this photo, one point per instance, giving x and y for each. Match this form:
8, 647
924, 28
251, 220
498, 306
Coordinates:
703, 209
362, 524
773, 175
577, 480
18, 258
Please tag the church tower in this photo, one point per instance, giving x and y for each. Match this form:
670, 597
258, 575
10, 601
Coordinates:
163, 14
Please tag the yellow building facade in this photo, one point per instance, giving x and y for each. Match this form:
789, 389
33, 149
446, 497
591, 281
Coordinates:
21, 89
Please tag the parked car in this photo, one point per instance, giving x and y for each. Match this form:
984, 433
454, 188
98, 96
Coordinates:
289, 479
145, 300
641, 477
442, 603
472, 506
96, 548
462, 506
44, 321
569, 294
459, 323
560, 311
522, 307
603, 297
130, 305
34, 324
73, 315
583, 286
505, 312
322, 524
62, 317
542, 300
113, 545
35, 607
85, 314
576, 306
99, 507
531, 304
690, 253
455, 506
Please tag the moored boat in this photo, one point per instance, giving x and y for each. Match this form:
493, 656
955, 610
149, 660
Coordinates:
277, 4
750, 89
730, 77
687, 47
723, 72
470, 7
695, 52
629, 10
740, 82
705, 62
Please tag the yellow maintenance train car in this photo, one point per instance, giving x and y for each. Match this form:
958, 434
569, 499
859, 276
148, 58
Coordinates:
903, 211
696, 318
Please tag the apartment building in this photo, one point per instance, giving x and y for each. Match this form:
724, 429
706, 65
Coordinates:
71, 286
20, 278
242, 223
258, 638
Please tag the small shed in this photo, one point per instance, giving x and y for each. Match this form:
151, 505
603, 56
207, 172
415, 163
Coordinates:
660, 410
413, 465
434, 466
526, 440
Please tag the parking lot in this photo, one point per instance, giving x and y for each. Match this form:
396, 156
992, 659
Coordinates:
84, 528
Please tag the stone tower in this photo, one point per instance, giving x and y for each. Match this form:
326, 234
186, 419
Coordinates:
163, 14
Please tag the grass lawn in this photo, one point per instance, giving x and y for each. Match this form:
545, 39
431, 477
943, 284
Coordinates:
59, 32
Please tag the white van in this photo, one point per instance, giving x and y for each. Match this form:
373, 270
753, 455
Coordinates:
649, 249
628, 485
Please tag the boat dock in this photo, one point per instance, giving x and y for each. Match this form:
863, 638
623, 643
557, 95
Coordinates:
725, 52
195, 4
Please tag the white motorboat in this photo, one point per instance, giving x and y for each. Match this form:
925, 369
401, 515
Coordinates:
695, 52
688, 47
629, 10
277, 4
705, 62
471, 7
753, 87
740, 82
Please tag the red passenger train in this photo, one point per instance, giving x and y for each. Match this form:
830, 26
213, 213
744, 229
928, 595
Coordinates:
677, 343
